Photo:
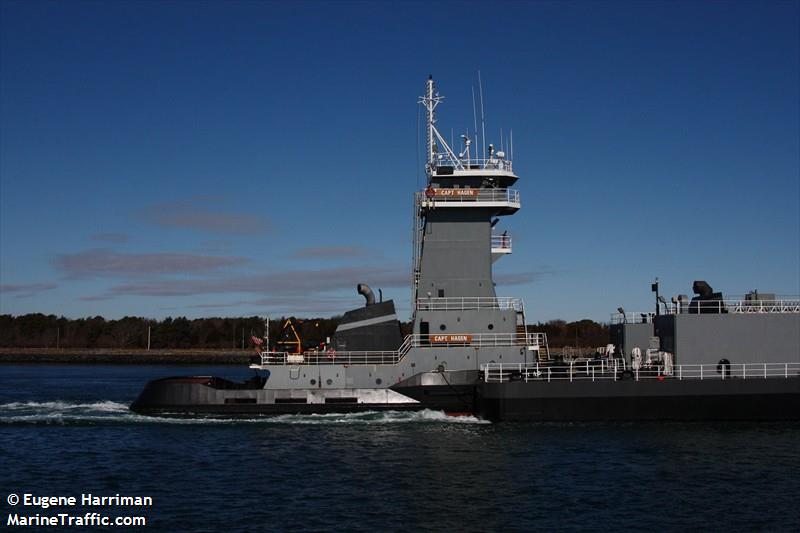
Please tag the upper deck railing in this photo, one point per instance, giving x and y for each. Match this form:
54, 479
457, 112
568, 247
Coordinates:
455, 340
446, 165
786, 304
468, 302
434, 197
501, 244
632, 318
615, 370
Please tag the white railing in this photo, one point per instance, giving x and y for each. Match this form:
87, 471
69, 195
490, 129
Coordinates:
789, 304
332, 357
501, 243
469, 302
615, 370
479, 340
439, 197
532, 341
632, 318
492, 163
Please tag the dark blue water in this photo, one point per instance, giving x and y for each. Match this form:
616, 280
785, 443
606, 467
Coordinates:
65, 430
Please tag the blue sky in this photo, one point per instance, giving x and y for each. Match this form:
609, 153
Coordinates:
251, 158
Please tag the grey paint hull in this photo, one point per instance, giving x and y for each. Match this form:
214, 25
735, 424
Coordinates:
202, 396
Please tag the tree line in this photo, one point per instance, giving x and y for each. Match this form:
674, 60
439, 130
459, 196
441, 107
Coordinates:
49, 331
581, 333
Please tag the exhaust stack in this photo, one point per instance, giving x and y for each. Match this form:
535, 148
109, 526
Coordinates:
364, 290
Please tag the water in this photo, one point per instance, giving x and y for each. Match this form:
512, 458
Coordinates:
65, 430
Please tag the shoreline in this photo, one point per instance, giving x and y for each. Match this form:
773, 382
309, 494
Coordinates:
124, 356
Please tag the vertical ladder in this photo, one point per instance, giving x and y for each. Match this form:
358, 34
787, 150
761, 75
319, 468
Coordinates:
417, 237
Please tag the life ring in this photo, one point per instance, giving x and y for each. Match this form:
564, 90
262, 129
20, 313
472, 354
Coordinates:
430, 192
331, 354
724, 367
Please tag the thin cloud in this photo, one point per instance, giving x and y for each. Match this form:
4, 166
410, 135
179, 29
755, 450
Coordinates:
100, 263
315, 305
113, 238
98, 298
302, 283
26, 290
194, 215
521, 278
329, 252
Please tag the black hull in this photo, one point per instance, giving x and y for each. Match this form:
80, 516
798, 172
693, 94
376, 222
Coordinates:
555, 401
670, 399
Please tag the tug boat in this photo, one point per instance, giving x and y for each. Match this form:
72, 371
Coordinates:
471, 351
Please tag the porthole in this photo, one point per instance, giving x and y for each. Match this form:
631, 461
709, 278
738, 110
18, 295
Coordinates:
491, 326
378, 381
442, 327
313, 381
329, 381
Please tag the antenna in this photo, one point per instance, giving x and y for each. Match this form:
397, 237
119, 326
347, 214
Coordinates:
483, 123
511, 148
418, 147
502, 146
475, 120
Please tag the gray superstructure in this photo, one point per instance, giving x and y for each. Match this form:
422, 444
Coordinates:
458, 320
754, 329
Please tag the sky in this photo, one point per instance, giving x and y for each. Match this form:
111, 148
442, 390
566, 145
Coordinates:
199, 159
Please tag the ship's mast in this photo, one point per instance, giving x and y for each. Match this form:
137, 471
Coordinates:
434, 138
430, 101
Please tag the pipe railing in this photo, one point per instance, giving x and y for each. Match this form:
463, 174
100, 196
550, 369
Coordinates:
491, 163
532, 341
501, 242
789, 304
469, 302
615, 370
439, 197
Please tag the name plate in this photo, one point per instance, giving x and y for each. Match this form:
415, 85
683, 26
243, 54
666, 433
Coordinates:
455, 193
450, 339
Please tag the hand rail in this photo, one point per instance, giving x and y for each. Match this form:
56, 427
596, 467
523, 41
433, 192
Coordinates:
336, 357
463, 195
502, 242
790, 304
615, 370
475, 163
459, 303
